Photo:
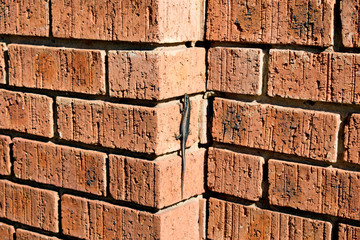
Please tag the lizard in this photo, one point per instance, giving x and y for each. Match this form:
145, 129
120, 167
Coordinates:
185, 123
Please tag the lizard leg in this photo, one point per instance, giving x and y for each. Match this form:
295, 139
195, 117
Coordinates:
178, 136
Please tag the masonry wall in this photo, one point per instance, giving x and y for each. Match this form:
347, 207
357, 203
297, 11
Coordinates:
90, 95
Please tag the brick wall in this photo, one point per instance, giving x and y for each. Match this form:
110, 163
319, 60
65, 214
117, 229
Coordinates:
90, 106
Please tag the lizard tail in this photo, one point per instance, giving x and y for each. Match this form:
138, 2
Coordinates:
182, 172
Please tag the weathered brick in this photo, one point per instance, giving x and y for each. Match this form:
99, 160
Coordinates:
156, 183
134, 128
27, 235
62, 69
158, 74
6, 231
5, 164
304, 22
234, 221
26, 112
89, 219
235, 70
129, 20
27, 205
351, 139
350, 23
326, 77
26, 17
315, 189
305, 133
347, 232
235, 174
2, 63
61, 166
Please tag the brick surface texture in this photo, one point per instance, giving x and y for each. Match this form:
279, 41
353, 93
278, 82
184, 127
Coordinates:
6, 231
2, 63
27, 235
347, 232
5, 164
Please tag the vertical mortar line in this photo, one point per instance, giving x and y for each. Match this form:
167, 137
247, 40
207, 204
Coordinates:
7, 60
107, 83
341, 134
55, 114
59, 212
334, 230
50, 19
265, 71
107, 175
264, 199
338, 45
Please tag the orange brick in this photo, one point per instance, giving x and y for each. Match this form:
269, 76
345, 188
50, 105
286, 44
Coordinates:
351, 139
6, 231
350, 23
5, 164
27, 235
2, 63
89, 219
304, 22
156, 183
305, 133
62, 69
235, 174
234, 221
315, 189
61, 166
347, 232
129, 20
158, 74
235, 70
26, 112
31, 206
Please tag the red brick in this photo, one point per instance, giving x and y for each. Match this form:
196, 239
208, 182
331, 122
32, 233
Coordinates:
326, 77
202, 218
27, 205
62, 69
351, 139
134, 128
26, 235
5, 164
315, 189
305, 22
61, 166
2, 63
235, 174
89, 219
129, 20
158, 74
235, 70
156, 183
6, 231
350, 23
305, 133
234, 221
347, 232
26, 112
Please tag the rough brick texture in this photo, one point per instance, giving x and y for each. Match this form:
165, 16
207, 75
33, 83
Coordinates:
26, 17
347, 232
351, 139
235, 221
61, 166
156, 183
305, 22
326, 77
27, 235
31, 206
61, 69
88, 219
2, 63
299, 132
350, 23
235, 174
316, 189
127, 20
5, 164
6, 231
235, 70
26, 112
134, 128
158, 74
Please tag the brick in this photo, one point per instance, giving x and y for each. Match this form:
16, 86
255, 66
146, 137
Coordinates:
88, 219
61, 69
315, 189
158, 74
26, 112
31, 206
304, 133
156, 183
325, 77
135, 128
5, 164
62, 166
235, 70
234, 221
305, 22
6, 231
128, 20
2, 63
350, 23
351, 139
27, 235
347, 232
235, 174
